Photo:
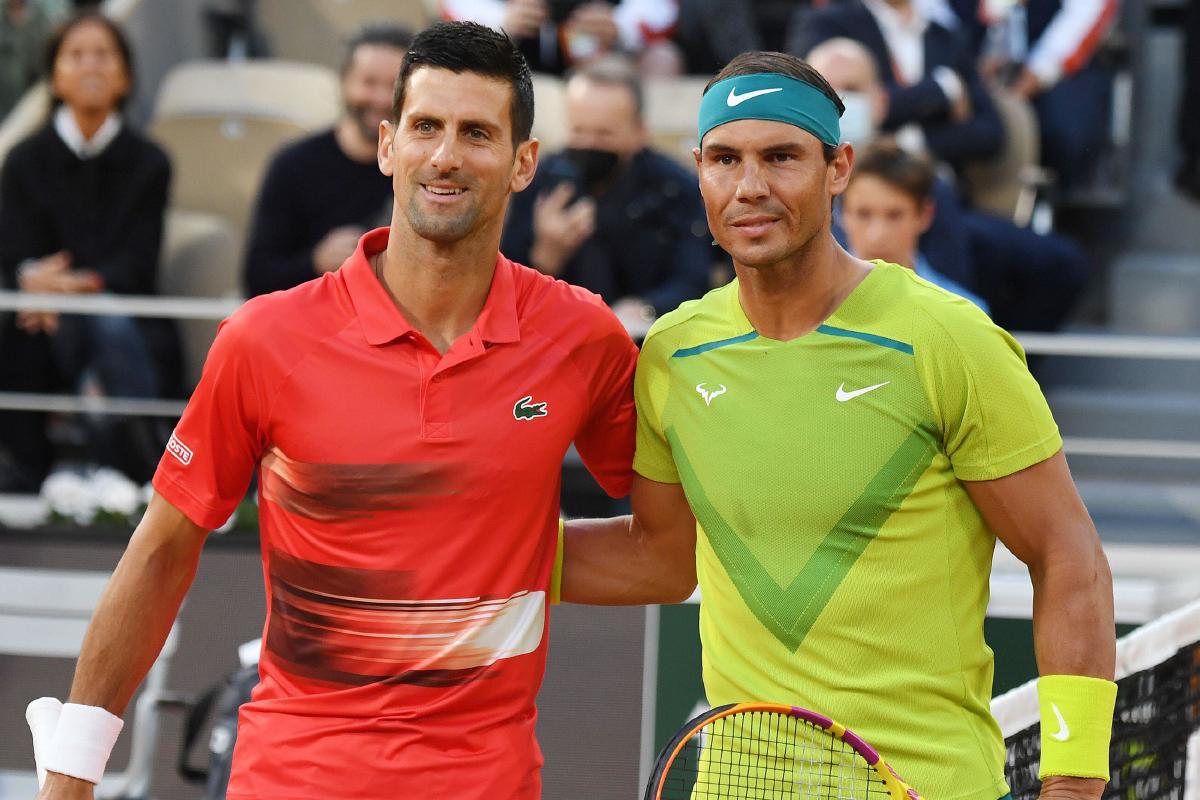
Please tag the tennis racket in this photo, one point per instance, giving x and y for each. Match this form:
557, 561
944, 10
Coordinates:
764, 751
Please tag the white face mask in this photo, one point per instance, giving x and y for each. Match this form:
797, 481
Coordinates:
858, 127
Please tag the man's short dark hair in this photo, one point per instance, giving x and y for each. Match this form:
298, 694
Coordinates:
767, 61
89, 16
470, 47
376, 34
614, 70
910, 174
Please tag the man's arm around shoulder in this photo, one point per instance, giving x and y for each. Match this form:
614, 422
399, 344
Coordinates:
649, 557
132, 620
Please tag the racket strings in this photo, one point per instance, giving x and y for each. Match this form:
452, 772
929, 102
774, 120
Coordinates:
769, 756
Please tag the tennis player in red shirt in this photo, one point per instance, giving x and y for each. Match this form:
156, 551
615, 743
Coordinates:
407, 417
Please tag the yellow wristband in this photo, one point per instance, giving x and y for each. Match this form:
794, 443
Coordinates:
556, 574
1077, 717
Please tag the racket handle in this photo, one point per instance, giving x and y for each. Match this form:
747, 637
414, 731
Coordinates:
42, 716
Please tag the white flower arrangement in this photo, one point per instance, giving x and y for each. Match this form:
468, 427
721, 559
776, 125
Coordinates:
102, 495
86, 497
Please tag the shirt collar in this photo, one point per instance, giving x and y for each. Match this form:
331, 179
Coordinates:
383, 322
68, 130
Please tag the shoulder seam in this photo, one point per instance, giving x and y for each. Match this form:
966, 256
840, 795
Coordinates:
664, 323
968, 368
572, 362
287, 375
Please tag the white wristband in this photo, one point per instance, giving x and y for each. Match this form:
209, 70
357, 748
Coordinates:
42, 716
82, 742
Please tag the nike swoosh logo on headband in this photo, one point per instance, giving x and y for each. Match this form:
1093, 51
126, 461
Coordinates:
736, 99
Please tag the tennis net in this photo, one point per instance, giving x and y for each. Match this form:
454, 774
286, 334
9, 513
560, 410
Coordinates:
1155, 752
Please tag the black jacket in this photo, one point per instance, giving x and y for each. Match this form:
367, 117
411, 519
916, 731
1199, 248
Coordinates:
107, 211
310, 188
924, 102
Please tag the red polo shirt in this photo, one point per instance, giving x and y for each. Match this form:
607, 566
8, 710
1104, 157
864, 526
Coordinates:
408, 517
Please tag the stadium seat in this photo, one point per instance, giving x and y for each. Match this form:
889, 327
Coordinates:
26, 117
671, 108
316, 30
550, 113
221, 122
1004, 185
201, 258
45, 613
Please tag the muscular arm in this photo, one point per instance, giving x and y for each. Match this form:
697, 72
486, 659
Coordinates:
1039, 516
649, 557
133, 617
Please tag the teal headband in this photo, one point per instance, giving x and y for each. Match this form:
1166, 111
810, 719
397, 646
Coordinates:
771, 96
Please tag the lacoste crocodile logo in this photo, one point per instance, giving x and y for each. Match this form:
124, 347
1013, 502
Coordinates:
526, 409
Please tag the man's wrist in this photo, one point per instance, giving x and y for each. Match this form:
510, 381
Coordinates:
1062, 787
60, 782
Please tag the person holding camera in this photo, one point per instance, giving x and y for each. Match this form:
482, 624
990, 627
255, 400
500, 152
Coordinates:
609, 213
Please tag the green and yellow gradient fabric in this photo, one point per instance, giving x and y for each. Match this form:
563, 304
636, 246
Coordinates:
842, 565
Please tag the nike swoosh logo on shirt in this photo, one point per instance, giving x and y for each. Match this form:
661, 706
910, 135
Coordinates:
843, 395
736, 99
1064, 732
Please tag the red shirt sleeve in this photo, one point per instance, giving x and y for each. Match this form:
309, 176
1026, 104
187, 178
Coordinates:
606, 439
218, 442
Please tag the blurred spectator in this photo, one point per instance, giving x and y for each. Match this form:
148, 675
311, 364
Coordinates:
935, 100
322, 193
1188, 177
850, 69
25, 26
609, 213
557, 35
81, 211
711, 32
886, 207
1044, 50
1030, 281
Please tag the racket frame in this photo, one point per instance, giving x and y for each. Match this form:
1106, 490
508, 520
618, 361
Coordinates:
895, 784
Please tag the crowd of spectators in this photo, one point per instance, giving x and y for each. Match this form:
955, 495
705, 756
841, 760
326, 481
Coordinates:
609, 213
886, 208
557, 35
323, 192
82, 204
82, 201
1046, 52
1029, 280
934, 98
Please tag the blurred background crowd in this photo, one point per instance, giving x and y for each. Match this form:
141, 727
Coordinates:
1011, 151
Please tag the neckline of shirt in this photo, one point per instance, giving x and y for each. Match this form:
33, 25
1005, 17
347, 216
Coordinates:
69, 132
843, 315
382, 322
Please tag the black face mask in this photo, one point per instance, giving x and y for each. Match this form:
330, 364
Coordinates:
593, 167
